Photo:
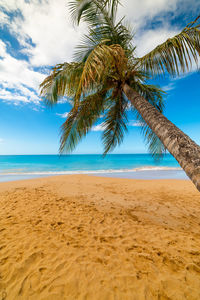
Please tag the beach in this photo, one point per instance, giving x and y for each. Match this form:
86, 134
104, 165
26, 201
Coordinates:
78, 237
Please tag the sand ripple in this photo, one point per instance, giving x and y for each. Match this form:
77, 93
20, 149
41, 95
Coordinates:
82, 237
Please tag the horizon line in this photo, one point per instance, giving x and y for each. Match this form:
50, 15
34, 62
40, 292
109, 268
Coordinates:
79, 154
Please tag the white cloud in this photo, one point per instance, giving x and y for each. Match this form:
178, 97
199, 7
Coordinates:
99, 127
19, 76
2, 49
1, 140
45, 33
135, 124
9, 96
18, 93
53, 36
64, 115
168, 87
139, 12
149, 39
4, 19
48, 25
16, 71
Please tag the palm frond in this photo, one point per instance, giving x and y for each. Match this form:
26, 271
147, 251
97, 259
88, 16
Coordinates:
176, 54
82, 9
100, 16
88, 43
91, 12
80, 120
112, 6
63, 81
104, 62
115, 122
103, 34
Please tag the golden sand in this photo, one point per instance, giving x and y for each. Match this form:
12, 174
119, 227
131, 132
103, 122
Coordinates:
84, 237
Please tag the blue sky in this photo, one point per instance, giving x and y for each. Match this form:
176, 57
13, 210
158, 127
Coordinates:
36, 35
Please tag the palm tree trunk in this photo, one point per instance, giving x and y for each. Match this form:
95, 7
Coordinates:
184, 150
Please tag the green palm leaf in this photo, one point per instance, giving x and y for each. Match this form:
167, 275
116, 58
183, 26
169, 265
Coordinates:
115, 124
103, 63
94, 12
63, 81
176, 54
85, 10
101, 15
81, 119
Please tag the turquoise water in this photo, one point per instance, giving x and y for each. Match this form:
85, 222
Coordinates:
139, 166
14, 167
69, 164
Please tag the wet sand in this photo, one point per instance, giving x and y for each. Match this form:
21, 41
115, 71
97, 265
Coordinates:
86, 237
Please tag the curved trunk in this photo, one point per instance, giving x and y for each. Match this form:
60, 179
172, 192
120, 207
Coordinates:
185, 151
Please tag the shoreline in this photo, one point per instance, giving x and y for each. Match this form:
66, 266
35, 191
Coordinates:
138, 173
86, 237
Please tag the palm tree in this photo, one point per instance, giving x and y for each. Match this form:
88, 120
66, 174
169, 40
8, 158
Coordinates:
107, 78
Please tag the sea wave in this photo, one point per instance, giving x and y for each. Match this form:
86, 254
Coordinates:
139, 169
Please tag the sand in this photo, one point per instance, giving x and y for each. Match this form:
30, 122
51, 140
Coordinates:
85, 237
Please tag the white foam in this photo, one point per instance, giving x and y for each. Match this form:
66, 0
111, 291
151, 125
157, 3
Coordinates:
145, 168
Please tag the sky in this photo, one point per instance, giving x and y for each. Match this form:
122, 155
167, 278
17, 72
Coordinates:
35, 35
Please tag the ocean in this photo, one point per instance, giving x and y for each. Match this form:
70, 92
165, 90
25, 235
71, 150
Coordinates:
141, 166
